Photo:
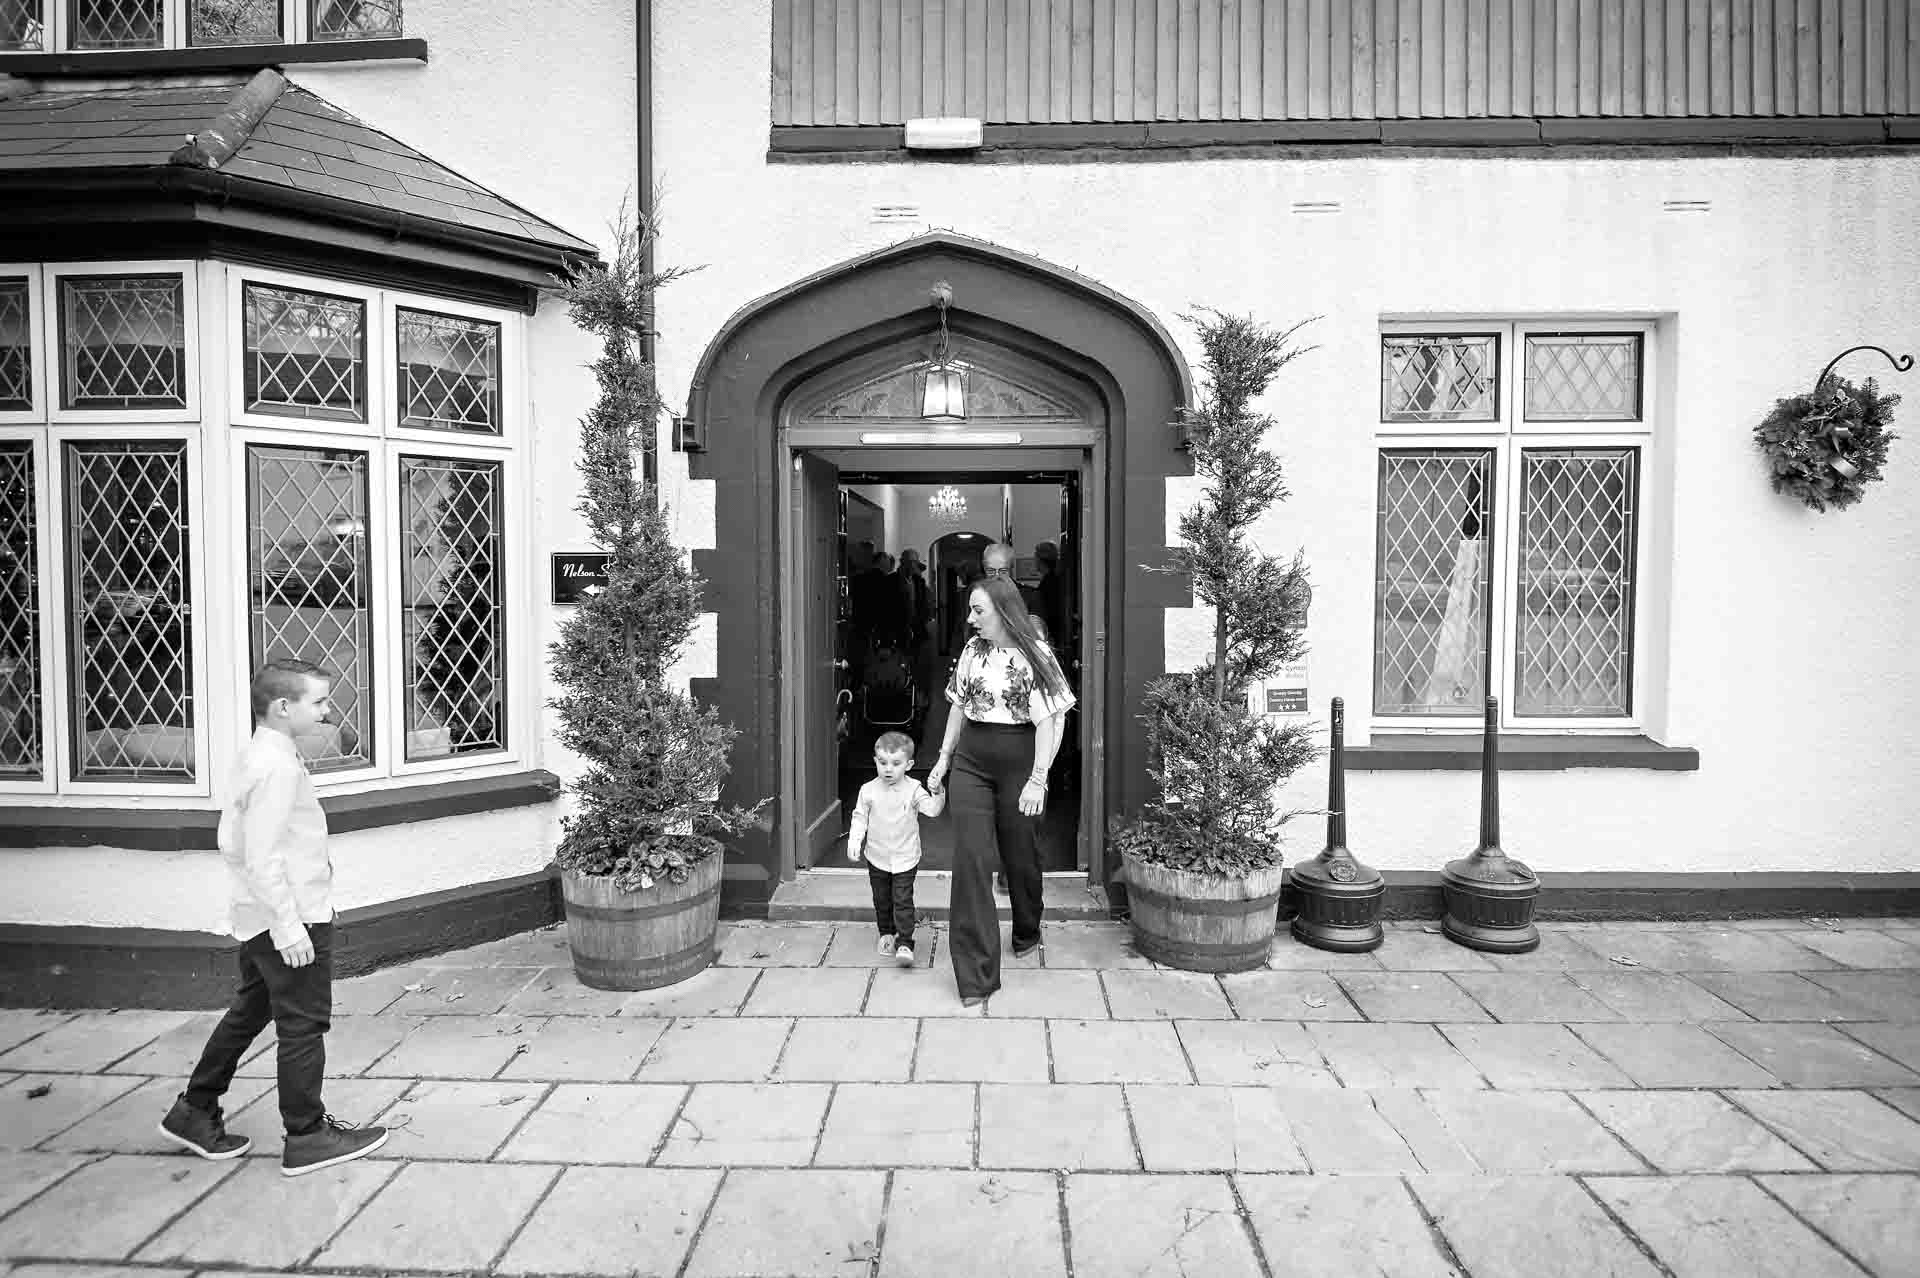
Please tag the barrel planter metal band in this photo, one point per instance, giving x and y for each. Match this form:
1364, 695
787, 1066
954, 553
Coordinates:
1203, 923
642, 940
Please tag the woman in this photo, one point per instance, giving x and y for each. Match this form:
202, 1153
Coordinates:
1009, 703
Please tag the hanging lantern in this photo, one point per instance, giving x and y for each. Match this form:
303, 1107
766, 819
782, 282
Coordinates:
943, 394
948, 505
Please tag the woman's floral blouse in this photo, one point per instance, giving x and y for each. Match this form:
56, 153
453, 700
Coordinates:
996, 685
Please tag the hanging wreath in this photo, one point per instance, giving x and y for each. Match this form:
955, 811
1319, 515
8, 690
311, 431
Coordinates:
1825, 448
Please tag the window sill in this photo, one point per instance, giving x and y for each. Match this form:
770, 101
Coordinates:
1426, 752
241, 57
194, 829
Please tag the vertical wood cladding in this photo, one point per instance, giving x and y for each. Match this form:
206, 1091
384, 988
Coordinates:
842, 62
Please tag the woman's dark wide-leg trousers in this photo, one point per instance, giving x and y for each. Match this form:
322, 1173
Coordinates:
990, 766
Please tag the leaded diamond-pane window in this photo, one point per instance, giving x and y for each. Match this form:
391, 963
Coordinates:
449, 372
1431, 599
116, 24
123, 341
453, 621
1440, 378
20, 678
355, 19
1573, 642
309, 584
227, 22
23, 27
16, 347
306, 354
129, 627
1583, 377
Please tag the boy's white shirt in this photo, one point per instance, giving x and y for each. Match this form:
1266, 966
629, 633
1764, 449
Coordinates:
273, 837
899, 809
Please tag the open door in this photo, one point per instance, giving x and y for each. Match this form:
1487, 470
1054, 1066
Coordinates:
819, 516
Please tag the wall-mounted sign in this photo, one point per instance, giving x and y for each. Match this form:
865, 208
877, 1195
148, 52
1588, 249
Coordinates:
1286, 700
577, 575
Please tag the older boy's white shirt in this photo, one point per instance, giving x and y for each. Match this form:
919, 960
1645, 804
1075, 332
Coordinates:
887, 819
273, 837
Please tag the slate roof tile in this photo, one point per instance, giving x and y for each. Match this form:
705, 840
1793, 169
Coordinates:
326, 184
353, 171
291, 157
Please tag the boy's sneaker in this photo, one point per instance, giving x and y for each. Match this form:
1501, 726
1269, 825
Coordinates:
203, 1132
331, 1143
885, 948
903, 955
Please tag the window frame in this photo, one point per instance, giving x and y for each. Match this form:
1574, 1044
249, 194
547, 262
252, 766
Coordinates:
1510, 438
512, 360
52, 672
53, 336
379, 375
296, 28
36, 412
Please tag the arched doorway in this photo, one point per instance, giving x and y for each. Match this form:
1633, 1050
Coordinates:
866, 311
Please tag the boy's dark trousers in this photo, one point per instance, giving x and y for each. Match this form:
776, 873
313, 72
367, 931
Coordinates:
299, 1002
893, 902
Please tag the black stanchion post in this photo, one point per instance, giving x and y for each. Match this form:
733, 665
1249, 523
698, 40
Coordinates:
1489, 895
1338, 898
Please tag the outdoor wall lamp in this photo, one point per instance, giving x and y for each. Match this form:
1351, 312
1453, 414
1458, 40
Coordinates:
1182, 428
943, 396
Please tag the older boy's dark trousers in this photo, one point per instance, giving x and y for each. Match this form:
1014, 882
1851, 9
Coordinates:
299, 1002
893, 901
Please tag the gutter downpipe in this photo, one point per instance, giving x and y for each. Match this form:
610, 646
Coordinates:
643, 86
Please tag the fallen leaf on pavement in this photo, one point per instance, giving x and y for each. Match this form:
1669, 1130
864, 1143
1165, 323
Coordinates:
38, 1090
1313, 1000
418, 987
455, 997
1623, 960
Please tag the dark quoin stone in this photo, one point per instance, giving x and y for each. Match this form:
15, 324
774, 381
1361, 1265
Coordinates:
1337, 898
1490, 896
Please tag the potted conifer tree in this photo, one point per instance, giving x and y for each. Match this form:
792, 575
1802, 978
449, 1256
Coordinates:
641, 857
1202, 859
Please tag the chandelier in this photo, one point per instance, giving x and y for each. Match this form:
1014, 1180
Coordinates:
949, 505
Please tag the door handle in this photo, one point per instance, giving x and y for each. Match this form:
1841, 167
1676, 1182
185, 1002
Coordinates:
840, 664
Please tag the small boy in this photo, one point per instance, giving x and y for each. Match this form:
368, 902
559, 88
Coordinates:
273, 837
886, 825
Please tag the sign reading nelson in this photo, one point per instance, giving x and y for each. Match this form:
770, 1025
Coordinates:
577, 574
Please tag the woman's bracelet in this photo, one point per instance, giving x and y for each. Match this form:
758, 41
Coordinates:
1040, 781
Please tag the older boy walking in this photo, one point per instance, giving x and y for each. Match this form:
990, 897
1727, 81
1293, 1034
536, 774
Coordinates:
273, 836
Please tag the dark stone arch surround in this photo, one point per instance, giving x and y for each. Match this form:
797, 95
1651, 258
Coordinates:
1000, 296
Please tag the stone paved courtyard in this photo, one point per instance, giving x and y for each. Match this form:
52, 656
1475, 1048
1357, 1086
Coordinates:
1684, 1099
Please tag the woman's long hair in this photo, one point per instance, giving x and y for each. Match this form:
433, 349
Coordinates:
1006, 600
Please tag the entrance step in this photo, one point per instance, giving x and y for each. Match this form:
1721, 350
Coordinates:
813, 896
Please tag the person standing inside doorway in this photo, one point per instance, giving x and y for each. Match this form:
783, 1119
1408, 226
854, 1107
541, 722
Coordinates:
1009, 702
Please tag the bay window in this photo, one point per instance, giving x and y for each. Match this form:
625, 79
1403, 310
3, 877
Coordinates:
95, 26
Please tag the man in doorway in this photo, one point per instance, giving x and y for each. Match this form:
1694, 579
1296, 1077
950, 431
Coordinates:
998, 561
1052, 610
918, 598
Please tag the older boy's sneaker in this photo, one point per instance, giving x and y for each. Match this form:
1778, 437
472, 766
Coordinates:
330, 1143
903, 955
885, 947
203, 1132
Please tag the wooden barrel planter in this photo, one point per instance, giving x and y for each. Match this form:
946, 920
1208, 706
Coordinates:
1203, 922
641, 940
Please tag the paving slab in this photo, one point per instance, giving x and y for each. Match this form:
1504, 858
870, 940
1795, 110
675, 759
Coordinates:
174, 1053
1859, 947
1061, 995
1712, 1226
714, 991
606, 1049
439, 1216
1065, 1126
614, 1220
803, 1224
596, 1123
1289, 955
1164, 995
1876, 1219
1559, 951
90, 1041
1529, 1133
838, 1049
123, 1199
808, 991
27, 1119
1107, 946
542, 947
725, 1049
1904, 1099
440, 1120
995, 1050
1533, 1056
1899, 1042
1840, 1130
463, 991
1339, 1226
898, 1125
1157, 1227
1341, 1131
24, 1174
356, 1100
1533, 996
925, 992
129, 1124
1655, 1055
1410, 996
1700, 949
1526, 1226
1782, 996
370, 994
556, 991
354, 1045
1689, 1132
1393, 1056
973, 1222
1117, 1052
261, 1218
747, 1125
18, 1024
1181, 1127
1802, 1055
1424, 948
1255, 1053
1888, 996
775, 945
58, 1269
854, 946
1654, 996
474, 1047
1288, 996
1434, 1147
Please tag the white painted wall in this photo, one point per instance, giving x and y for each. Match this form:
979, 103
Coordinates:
1786, 657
